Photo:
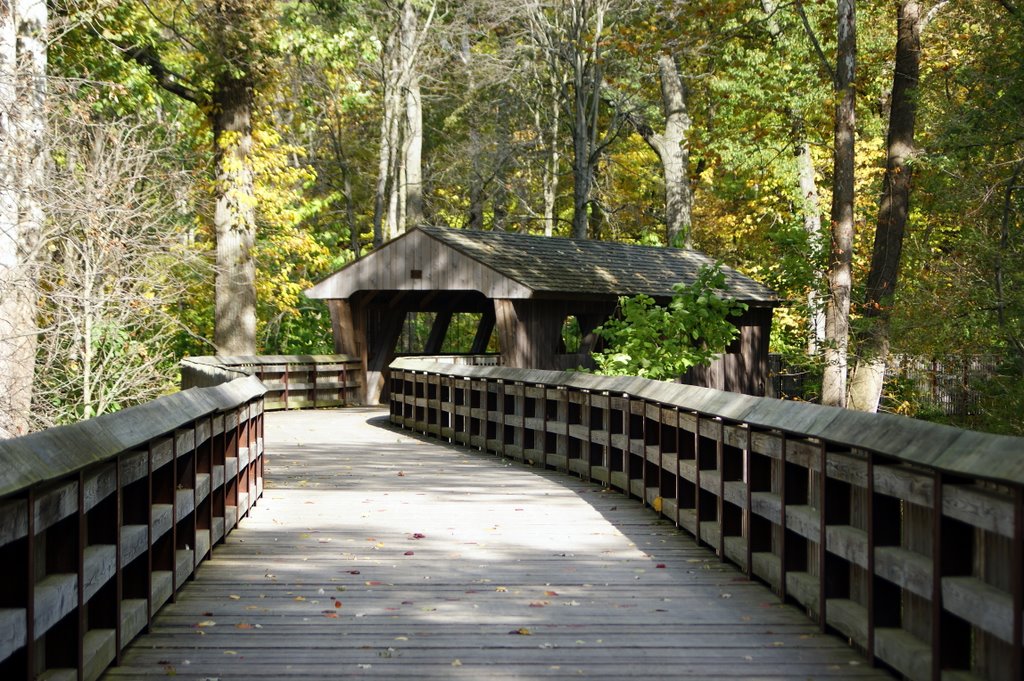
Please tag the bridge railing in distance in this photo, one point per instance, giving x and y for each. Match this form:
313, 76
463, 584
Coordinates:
101, 522
903, 536
293, 381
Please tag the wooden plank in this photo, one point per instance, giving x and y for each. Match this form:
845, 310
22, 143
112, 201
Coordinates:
440, 564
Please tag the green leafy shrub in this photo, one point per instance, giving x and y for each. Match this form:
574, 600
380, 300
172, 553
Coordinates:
662, 342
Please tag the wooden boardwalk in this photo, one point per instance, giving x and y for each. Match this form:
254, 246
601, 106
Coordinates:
375, 554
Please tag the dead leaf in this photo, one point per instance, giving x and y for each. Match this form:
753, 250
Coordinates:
206, 623
657, 504
456, 663
299, 598
550, 593
418, 535
337, 604
660, 566
244, 625
539, 604
330, 614
501, 589
235, 597
521, 631
410, 553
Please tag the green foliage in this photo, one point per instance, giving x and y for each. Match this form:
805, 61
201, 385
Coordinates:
663, 342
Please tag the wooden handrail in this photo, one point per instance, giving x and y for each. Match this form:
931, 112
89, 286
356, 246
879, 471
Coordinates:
909, 544
292, 381
101, 522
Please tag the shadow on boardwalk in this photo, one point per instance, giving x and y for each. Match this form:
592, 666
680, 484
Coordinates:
378, 554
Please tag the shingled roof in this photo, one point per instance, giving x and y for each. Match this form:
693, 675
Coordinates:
512, 265
585, 266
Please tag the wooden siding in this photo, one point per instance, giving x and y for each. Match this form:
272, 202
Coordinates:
441, 268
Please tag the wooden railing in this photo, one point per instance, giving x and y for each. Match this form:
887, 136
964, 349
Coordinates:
102, 522
293, 381
910, 543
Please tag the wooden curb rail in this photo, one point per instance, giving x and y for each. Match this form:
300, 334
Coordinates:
101, 522
910, 545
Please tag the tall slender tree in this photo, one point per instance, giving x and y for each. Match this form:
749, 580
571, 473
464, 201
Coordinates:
837, 308
23, 86
227, 45
872, 348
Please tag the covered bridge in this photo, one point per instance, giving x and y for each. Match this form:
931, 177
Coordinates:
520, 290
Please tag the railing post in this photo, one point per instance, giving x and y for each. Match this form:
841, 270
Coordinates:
118, 570
720, 510
782, 518
83, 620
748, 513
822, 538
30, 579
937, 564
870, 521
696, 477
1017, 581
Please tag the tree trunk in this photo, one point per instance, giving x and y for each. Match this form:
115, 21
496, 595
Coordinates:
413, 162
23, 66
837, 310
674, 153
389, 60
811, 209
234, 217
868, 374
413, 155
587, 26
810, 204
583, 172
550, 174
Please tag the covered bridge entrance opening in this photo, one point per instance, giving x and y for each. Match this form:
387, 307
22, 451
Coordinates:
531, 302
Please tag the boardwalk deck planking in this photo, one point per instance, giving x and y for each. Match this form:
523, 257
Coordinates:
375, 554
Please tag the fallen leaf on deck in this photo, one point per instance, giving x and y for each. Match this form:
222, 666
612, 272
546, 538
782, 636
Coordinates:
410, 553
657, 504
660, 566
521, 631
206, 623
244, 625
235, 597
401, 474
501, 589
299, 598
353, 572
456, 663
230, 652
337, 604
539, 604
330, 614
373, 583
418, 535
550, 593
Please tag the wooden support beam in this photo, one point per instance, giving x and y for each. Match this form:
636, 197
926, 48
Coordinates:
346, 334
438, 332
483, 332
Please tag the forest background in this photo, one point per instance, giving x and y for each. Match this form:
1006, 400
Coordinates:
174, 173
